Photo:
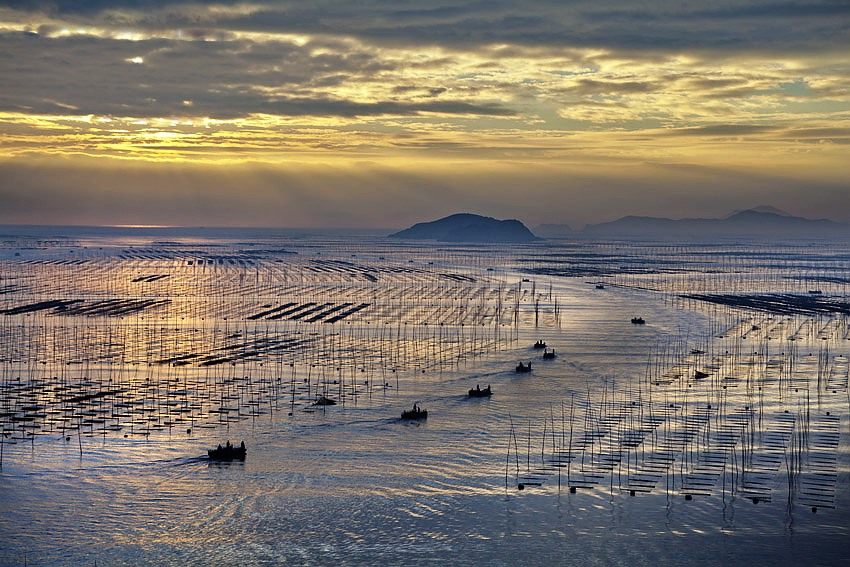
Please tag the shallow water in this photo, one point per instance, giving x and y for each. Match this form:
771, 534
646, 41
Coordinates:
352, 484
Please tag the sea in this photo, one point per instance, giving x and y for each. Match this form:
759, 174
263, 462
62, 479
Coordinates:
694, 409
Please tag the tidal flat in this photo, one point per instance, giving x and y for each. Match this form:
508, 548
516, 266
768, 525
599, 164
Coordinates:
716, 432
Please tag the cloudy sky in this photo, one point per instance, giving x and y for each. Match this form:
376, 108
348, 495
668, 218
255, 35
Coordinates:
380, 113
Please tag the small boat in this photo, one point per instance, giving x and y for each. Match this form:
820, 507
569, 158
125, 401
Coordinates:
228, 452
638, 321
548, 354
697, 351
323, 401
600, 286
539, 344
477, 392
523, 367
699, 374
815, 291
416, 413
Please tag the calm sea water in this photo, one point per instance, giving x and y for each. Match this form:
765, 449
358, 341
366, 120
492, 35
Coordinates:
352, 484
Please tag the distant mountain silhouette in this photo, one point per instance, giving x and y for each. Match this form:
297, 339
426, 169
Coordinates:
762, 209
761, 221
466, 227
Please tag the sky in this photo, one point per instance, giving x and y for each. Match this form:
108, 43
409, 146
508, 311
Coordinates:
382, 113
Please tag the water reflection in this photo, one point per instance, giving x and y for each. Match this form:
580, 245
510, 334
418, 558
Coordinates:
691, 404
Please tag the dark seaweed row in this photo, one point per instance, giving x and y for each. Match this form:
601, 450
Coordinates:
457, 277
324, 314
782, 303
152, 278
223, 260
58, 262
348, 313
58, 304
114, 307
310, 311
239, 351
296, 312
268, 312
109, 307
826, 279
291, 311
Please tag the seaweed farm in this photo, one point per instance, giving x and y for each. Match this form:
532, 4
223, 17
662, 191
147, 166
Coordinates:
715, 428
147, 340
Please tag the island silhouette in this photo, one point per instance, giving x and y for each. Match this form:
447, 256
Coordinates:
468, 227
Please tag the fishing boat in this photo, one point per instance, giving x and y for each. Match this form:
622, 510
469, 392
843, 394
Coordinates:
416, 413
539, 344
477, 392
323, 401
548, 354
228, 452
600, 286
638, 321
523, 367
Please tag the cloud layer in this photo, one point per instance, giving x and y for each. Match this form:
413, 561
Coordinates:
758, 90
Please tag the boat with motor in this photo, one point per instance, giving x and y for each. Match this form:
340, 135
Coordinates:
416, 414
477, 392
228, 452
